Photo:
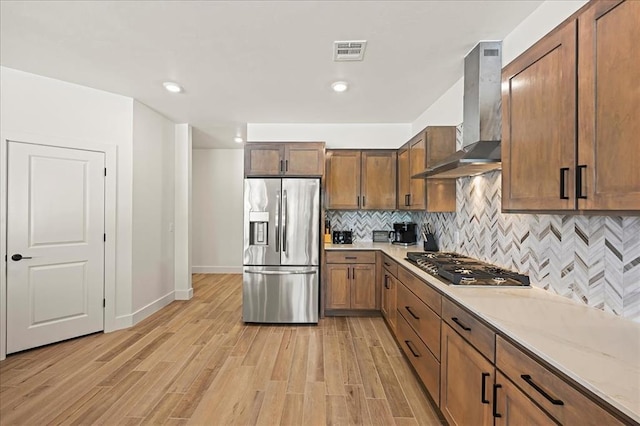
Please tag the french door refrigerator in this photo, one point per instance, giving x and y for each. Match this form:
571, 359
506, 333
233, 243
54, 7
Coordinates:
280, 280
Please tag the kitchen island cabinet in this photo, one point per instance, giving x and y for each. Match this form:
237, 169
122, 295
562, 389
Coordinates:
284, 159
569, 135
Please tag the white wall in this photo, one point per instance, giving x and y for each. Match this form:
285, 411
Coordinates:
359, 136
183, 211
217, 210
447, 110
31, 104
153, 210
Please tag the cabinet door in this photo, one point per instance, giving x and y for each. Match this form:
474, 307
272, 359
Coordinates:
464, 375
384, 305
378, 185
263, 159
343, 179
389, 297
338, 286
539, 125
363, 286
304, 159
515, 408
441, 193
608, 106
403, 178
417, 164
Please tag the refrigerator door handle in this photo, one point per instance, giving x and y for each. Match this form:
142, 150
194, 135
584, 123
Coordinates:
277, 219
284, 221
303, 272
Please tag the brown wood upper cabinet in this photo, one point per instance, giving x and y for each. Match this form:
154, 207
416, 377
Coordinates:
569, 135
363, 180
284, 159
428, 147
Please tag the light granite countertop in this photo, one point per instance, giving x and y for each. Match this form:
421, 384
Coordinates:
598, 350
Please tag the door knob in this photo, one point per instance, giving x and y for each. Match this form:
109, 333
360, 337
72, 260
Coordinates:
18, 257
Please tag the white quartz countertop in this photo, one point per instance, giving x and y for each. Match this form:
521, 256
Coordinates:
596, 349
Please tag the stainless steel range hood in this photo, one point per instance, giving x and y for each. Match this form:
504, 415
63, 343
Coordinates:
482, 116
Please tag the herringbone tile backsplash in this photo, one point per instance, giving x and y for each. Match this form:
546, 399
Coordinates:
363, 223
592, 259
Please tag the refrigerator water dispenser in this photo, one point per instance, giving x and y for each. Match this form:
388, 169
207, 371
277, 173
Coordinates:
259, 228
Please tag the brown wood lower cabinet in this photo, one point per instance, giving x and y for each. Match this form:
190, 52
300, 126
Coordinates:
389, 294
423, 361
351, 280
466, 382
557, 397
351, 286
515, 408
478, 376
424, 321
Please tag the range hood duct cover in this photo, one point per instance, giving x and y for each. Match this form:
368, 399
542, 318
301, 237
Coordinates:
482, 116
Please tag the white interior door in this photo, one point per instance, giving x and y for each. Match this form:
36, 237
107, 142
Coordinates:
55, 221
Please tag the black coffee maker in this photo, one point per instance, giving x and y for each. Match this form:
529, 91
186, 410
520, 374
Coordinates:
404, 234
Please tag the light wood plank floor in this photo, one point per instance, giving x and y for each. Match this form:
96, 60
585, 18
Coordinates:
196, 362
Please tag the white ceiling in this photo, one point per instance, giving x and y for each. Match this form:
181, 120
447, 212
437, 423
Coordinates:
256, 61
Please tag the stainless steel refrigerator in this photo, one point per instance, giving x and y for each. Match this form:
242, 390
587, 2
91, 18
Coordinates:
280, 281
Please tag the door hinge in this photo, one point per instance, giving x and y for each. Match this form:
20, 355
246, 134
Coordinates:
104, 237
104, 303
105, 171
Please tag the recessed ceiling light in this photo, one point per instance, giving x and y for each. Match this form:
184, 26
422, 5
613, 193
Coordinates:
238, 139
172, 87
339, 86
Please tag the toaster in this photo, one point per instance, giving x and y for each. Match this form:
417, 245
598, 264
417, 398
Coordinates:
342, 237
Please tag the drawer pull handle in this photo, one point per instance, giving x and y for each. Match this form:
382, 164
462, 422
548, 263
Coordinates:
408, 308
413, 351
351, 257
386, 281
387, 264
527, 378
484, 388
457, 321
495, 400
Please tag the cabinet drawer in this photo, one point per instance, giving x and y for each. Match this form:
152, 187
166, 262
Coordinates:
390, 265
564, 402
422, 319
421, 289
350, 256
425, 364
478, 334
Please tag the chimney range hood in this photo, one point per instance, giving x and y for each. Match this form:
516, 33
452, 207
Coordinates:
482, 117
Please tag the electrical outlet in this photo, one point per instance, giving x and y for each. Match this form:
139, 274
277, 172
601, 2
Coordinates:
170, 226
457, 238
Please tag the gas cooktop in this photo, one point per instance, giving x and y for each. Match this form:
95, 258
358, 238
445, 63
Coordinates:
460, 270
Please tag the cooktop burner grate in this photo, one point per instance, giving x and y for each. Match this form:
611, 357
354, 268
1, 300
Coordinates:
458, 269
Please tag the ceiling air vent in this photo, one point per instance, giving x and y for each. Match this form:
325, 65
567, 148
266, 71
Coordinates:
349, 50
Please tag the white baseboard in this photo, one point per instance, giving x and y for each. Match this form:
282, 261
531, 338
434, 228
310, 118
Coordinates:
216, 269
121, 322
184, 294
152, 307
